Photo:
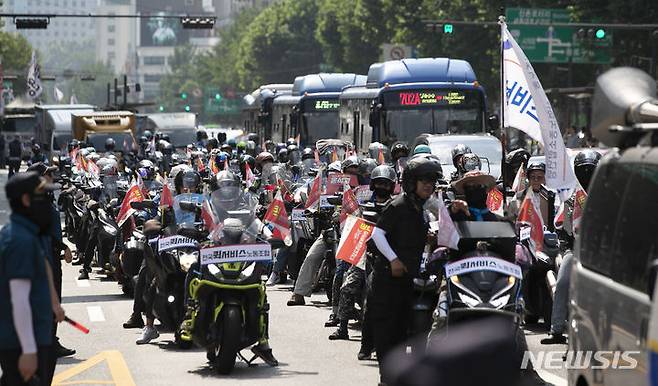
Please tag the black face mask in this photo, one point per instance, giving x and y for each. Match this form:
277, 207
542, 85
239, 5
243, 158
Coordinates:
382, 193
39, 211
476, 196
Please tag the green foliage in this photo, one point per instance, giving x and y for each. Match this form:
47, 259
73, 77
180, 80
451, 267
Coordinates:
15, 52
91, 92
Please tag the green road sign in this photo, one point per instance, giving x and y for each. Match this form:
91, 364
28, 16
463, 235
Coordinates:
548, 44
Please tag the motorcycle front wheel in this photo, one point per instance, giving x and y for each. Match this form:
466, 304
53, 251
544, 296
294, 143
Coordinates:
230, 343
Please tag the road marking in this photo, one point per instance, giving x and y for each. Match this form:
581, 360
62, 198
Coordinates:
83, 283
552, 378
95, 314
117, 365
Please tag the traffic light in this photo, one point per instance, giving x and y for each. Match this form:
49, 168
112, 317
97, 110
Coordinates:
187, 108
600, 33
447, 28
183, 95
162, 108
218, 97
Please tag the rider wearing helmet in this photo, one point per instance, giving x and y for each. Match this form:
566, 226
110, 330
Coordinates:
457, 152
399, 150
282, 156
226, 148
308, 159
467, 163
536, 175
584, 164
474, 188
110, 144
201, 138
400, 236
294, 155
422, 149
513, 161
382, 183
265, 164
366, 167
190, 182
242, 147
37, 155
251, 148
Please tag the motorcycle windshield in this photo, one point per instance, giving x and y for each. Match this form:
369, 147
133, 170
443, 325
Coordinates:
183, 216
228, 202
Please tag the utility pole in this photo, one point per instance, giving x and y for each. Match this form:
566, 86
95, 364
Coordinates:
116, 91
125, 91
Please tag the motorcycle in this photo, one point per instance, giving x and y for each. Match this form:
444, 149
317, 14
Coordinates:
231, 312
539, 285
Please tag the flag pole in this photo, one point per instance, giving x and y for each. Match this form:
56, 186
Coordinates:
503, 133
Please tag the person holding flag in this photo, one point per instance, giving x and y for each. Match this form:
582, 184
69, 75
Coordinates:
584, 165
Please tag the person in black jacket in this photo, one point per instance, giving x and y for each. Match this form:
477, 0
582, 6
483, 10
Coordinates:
400, 237
15, 154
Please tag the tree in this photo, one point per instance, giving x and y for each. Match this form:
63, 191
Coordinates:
92, 92
279, 44
15, 52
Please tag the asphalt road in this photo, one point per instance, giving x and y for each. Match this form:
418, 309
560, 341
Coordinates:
109, 355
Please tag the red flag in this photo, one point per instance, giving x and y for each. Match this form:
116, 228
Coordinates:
249, 177
559, 219
80, 162
353, 239
166, 198
578, 207
134, 194
277, 216
530, 215
93, 169
350, 206
334, 155
213, 166
207, 216
74, 154
313, 197
495, 201
142, 186
200, 166
285, 192
380, 157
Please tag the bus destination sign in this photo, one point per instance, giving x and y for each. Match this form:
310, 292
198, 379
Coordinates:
431, 98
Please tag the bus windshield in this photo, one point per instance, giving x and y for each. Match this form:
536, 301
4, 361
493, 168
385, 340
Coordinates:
320, 126
23, 124
180, 137
411, 113
123, 141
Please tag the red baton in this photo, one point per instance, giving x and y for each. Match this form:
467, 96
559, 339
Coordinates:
76, 325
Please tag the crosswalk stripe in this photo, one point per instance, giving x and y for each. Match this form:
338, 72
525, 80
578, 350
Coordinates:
95, 314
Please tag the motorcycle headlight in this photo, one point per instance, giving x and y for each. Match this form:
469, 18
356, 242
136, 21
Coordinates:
247, 272
500, 302
213, 269
186, 259
469, 301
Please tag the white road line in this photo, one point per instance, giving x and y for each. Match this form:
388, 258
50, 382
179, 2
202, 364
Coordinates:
83, 283
95, 314
552, 378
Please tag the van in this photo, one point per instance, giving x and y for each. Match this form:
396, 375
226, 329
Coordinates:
613, 275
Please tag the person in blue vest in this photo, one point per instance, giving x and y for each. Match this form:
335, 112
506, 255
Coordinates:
28, 299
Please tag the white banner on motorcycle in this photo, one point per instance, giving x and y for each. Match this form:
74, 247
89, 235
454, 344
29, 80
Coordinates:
298, 215
172, 242
483, 263
236, 253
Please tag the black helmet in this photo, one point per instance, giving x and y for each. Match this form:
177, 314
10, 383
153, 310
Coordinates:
459, 151
201, 135
382, 172
366, 166
470, 162
110, 144
536, 166
73, 144
264, 156
420, 168
282, 155
517, 157
349, 162
213, 143
148, 135
36, 148
399, 150
191, 180
308, 153
584, 165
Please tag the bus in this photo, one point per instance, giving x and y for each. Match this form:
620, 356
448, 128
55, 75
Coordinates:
408, 97
311, 111
180, 127
53, 125
257, 111
95, 128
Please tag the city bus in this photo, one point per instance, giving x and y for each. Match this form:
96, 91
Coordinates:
95, 128
257, 110
312, 109
408, 97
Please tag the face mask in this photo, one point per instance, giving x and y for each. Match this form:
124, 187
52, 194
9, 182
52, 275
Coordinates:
382, 193
476, 197
39, 211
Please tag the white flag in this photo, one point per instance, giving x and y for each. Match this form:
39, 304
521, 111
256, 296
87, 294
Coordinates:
34, 88
74, 99
527, 108
447, 234
59, 95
